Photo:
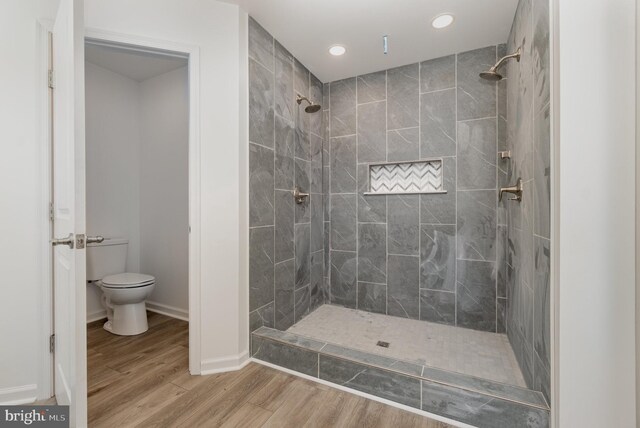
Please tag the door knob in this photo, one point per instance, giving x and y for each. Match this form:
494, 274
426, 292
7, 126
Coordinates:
64, 241
94, 239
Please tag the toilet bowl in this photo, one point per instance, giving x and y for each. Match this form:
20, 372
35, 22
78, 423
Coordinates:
124, 296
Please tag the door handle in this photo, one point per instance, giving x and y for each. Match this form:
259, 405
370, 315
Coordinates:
64, 241
94, 239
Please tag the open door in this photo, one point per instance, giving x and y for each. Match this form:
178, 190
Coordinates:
68, 169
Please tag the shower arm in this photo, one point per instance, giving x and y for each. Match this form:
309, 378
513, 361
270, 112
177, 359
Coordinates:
300, 98
502, 60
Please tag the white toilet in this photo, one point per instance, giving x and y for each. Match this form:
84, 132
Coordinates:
124, 293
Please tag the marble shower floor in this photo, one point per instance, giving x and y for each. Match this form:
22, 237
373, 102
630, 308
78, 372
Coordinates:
476, 353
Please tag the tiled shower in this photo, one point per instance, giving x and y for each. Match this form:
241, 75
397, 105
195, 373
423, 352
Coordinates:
453, 258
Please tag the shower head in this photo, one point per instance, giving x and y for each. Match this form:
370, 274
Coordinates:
311, 108
492, 75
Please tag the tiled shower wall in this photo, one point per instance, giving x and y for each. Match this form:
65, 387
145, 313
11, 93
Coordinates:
524, 242
285, 150
429, 257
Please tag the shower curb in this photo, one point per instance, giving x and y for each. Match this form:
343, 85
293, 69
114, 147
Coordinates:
457, 396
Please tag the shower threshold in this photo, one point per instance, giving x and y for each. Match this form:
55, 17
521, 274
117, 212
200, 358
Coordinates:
459, 396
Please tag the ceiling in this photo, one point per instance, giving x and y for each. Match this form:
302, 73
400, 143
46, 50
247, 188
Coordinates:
136, 65
307, 29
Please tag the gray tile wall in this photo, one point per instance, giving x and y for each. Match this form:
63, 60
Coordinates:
285, 150
524, 247
429, 257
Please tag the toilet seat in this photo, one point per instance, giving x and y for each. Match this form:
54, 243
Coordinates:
127, 280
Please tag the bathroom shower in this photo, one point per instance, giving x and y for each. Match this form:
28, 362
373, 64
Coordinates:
492, 74
311, 108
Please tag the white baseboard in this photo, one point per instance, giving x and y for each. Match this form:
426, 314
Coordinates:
226, 364
18, 395
95, 316
368, 396
170, 311
159, 308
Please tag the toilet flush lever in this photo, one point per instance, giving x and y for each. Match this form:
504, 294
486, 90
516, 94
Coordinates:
94, 239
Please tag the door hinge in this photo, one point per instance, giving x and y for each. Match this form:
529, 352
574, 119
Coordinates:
51, 79
52, 343
50, 211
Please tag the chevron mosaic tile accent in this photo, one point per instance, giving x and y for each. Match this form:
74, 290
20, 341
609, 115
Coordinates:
406, 177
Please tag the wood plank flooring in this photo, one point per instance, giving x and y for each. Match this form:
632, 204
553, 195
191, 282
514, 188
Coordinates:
143, 381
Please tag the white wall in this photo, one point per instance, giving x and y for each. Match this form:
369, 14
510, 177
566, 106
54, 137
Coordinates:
21, 187
164, 189
595, 196
215, 28
113, 142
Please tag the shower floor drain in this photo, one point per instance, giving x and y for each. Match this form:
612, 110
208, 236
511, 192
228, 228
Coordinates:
382, 344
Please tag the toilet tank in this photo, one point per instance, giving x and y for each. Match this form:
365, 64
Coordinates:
106, 258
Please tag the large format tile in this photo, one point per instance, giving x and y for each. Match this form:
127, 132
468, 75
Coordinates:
372, 138
315, 173
477, 154
438, 306
302, 300
300, 78
343, 164
315, 95
303, 255
343, 278
260, 44
476, 295
260, 104
542, 314
476, 96
343, 107
372, 297
371, 208
372, 87
479, 409
382, 383
438, 123
403, 89
260, 186
284, 101
316, 288
403, 144
437, 74
540, 54
262, 317
284, 226
343, 222
290, 357
260, 267
438, 257
302, 171
284, 286
403, 224
372, 252
403, 286
284, 167
477, 224
542, 174
317, 223
441, 208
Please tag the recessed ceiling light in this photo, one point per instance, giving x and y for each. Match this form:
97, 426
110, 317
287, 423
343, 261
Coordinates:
442, 21
337, 50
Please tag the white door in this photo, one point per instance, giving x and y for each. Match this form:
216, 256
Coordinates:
69, 276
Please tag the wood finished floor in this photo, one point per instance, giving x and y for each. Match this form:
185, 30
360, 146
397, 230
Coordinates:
143, 381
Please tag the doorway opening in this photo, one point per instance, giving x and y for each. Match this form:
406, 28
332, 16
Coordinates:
137, 213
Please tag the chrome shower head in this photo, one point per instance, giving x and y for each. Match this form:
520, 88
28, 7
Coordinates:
311, 108
492, 75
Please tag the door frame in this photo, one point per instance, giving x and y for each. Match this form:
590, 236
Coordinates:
139, 43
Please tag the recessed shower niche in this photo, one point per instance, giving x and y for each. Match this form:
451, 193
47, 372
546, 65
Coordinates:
406, 178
